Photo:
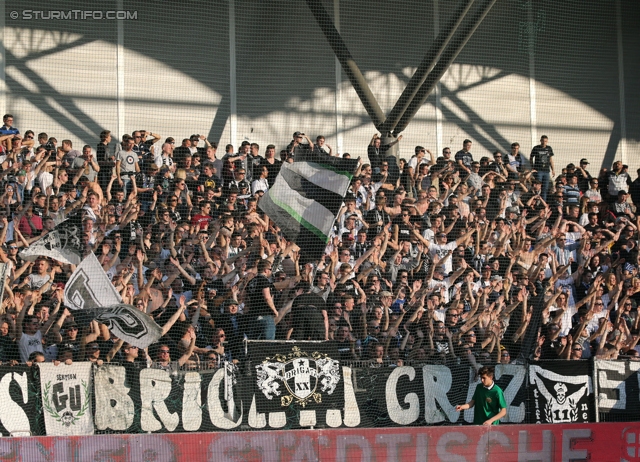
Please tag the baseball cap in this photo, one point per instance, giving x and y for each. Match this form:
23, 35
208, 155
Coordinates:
295, 134
584, 161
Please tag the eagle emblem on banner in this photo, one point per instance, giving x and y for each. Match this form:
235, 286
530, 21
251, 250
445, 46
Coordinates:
298, 377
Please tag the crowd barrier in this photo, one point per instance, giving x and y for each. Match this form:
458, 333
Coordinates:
295, 387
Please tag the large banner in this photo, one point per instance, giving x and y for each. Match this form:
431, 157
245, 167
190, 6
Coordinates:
618, 389
307, 388
427, 395
66, 392
18, 396
560, 391
133, 400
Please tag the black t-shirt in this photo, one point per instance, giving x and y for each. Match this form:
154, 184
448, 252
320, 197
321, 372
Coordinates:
103, 153
257, 304
583, 180
372, 217
404, 232
466, 157
540, 157
74, 346
592, 229
8, 348
209, 181
308, 320
273, 169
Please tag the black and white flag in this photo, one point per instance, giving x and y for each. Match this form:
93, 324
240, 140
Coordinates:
130, 324
560, 391
64, 244
90, 287
90, 290
306, 197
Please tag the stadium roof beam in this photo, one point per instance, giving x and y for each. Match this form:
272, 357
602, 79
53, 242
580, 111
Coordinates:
447, 58
435, 63
426, 66
348, 63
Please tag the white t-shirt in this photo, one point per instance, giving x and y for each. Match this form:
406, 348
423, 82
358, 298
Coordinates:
45, 180
437, 284
429, 235
565, 320
28, 344
36, 281
441, 251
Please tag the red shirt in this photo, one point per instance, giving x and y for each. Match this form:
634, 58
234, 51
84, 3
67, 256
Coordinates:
203, 220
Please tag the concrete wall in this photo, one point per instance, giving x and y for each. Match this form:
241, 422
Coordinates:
532, 68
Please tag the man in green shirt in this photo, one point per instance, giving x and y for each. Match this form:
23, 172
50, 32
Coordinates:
488, 400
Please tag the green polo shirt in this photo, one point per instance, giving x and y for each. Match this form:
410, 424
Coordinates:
487, 403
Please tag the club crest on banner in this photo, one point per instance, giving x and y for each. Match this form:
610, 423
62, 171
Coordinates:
298, 377
66, 398
54, 402
560, 398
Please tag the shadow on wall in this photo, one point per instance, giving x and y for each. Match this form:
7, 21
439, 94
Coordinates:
280, 59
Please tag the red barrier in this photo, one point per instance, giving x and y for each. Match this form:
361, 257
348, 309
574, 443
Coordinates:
595, 442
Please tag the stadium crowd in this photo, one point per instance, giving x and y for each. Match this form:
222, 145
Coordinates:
432, 259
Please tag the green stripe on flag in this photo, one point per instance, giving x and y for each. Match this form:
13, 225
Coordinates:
333, 169
324, 238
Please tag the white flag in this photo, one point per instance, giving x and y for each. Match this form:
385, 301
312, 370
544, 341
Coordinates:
90, 287
64, 244
66, 398
130, 324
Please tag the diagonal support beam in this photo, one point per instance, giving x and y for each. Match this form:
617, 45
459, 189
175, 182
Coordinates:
426, 66
448, 57
347, 62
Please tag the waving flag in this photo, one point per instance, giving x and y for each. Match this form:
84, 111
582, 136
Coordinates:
90, 291
306, 198
63, 243
90, 287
